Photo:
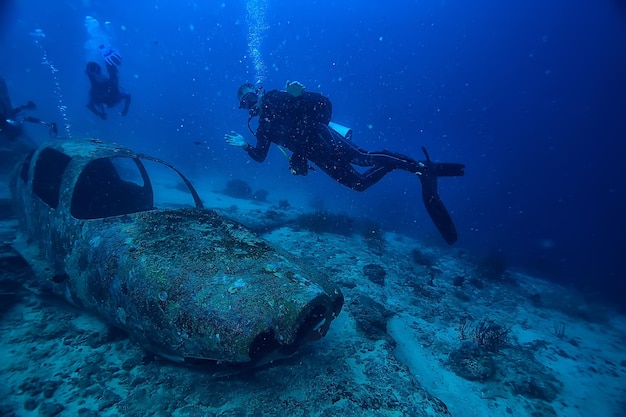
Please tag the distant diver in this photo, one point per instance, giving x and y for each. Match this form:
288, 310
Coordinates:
301, 122
12, 120
105, 91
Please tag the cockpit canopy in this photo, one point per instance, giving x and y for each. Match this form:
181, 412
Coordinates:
106, 185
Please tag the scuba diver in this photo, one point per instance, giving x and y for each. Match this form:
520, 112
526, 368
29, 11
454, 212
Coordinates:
105, 91
14, 141
301, 122
11, 120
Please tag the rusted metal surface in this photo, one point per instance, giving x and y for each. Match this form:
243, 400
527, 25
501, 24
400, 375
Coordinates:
187, 284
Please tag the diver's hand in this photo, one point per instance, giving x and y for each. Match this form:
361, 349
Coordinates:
235, 139
111, 56
294, 88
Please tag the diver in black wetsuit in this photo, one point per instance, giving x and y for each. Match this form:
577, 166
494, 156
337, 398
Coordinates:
299, 121
105, 91
12, 119
15, 143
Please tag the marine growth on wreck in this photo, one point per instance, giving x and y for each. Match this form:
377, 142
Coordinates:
184, 282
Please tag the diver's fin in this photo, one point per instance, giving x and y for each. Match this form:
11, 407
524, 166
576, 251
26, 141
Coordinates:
436, 210
443, 169
446, 169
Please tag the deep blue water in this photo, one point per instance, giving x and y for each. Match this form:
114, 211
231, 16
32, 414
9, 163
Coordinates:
530, 95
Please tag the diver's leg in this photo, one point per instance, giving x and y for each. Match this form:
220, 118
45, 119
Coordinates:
330, 141
337, 154
98, 110
348, 151
395, 160
332, 144
386, 158
346, 175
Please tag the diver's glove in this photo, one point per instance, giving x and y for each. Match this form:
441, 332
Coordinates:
294, 88
235, 139
111, 56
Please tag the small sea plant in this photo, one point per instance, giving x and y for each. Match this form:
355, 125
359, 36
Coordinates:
238, 188
559, 330
487, 334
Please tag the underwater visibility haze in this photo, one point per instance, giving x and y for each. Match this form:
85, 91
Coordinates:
531, 97
519, 316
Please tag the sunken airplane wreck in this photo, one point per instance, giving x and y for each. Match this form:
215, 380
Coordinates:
186, 283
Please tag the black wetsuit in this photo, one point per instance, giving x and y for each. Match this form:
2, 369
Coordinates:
9, 128
300, 124
107, 93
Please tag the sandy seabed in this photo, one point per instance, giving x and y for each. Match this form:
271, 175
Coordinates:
404, 345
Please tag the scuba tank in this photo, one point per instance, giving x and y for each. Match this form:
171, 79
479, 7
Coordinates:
344, 131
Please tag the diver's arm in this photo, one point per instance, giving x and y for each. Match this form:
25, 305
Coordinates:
258, 152
113, 74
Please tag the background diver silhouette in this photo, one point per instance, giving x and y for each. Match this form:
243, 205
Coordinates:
299, 121
105, 91
11, 118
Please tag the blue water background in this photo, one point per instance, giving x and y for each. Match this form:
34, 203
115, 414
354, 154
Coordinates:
530, 95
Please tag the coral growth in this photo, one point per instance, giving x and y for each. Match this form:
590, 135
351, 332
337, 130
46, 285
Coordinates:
472, 363
375, 273
238, 189
487, 334
371, 317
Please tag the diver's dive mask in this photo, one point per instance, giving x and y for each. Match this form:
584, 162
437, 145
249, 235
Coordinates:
249, 100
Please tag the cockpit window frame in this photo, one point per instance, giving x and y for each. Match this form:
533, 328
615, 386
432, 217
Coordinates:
100, 192
48, 175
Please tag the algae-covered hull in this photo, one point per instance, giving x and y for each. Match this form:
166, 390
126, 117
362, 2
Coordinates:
185, 283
